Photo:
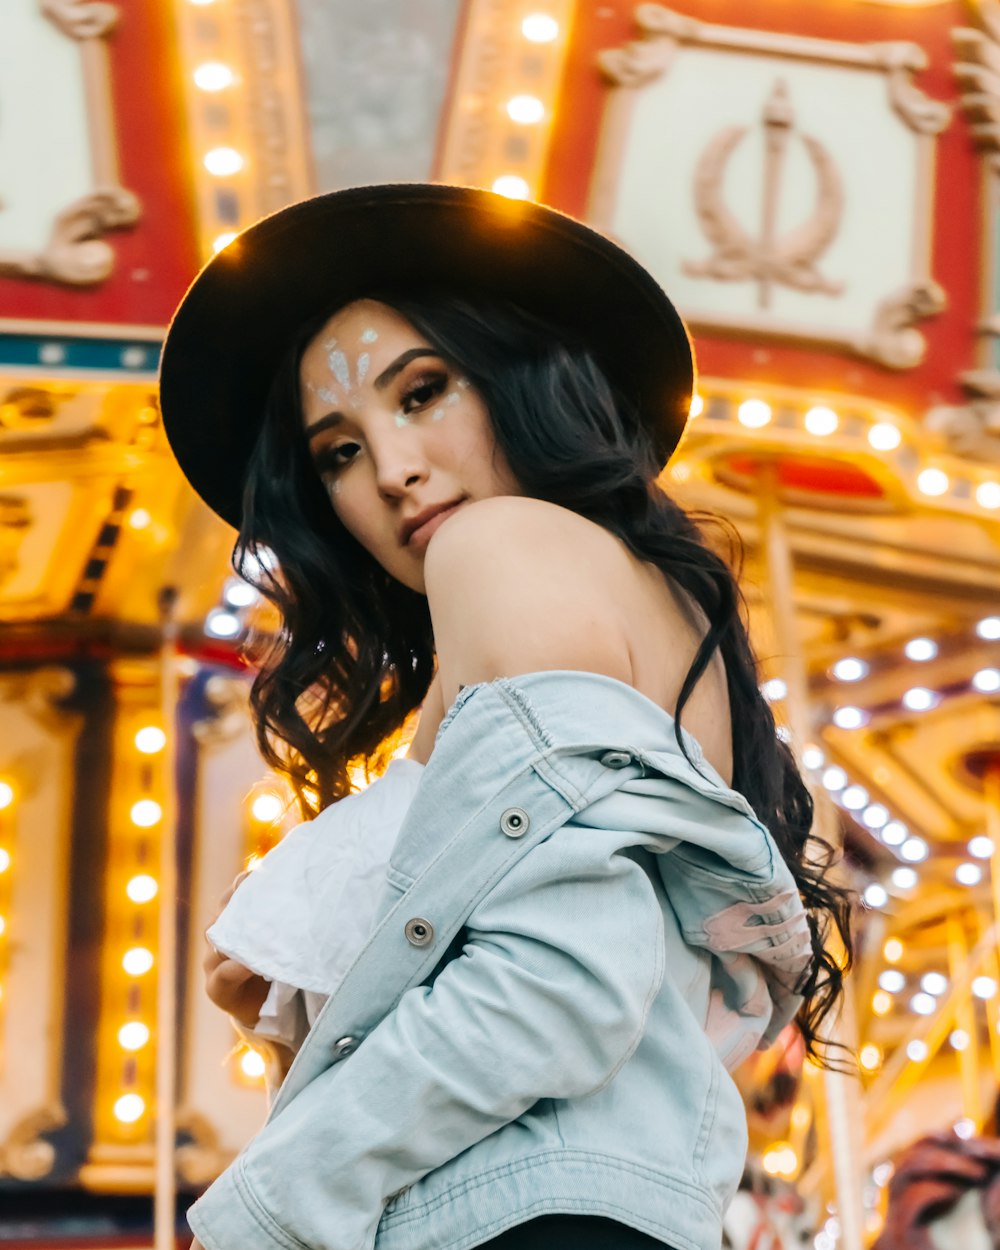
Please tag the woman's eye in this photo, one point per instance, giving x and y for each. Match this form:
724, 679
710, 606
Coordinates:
336, 457
424, 391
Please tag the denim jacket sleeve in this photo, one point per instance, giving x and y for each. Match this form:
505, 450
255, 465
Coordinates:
547, 1000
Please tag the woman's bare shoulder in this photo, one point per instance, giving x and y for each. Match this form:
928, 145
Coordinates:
518, 585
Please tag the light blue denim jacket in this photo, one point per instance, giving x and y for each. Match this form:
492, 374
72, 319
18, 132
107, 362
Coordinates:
581, 931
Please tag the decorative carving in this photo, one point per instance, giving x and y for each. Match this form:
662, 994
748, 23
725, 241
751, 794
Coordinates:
40, 692
227, 698
75, 254
913, 106
81, 19
791, 261
25, 1155
26, 408
972, 430
15, 521
201, 1160
894, 341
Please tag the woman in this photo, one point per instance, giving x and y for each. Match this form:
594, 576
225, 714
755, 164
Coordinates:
444, 414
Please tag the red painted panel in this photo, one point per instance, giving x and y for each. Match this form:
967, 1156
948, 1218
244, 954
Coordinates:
156, 259
956, 260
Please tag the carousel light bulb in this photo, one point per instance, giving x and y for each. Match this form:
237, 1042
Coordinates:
223, 240
213, 76
875, 895
989, 628
904, 878
968, 874
892, 951
3, 925
133, 1035
146, 813
774, 690
891, 980
512, 186
850, 669
884, 436
894, 833
525, 109
988, 494
222, 624
933, 482
913, 850
142, 888
6, 794
223, 161
921, 649
267, 808
987, 680
139, 519
239, 594
697, 405
934, 983
137, 961
834, 778
850, 717
984, 987
964, 1128
821, 421
4, 859
540, 28
812, 757
959, 1039
870, 1057
981, 846
875, 816
920, 699
252, 1064
754, 414
854, 798
916, 1051
129, 1108
150, 740
881, 1003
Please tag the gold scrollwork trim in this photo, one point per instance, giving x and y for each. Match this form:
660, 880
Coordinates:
25, 1155
81, 19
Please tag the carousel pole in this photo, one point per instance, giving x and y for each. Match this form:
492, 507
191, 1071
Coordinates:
991, 799
840, 1095
164, 1193
965, 1018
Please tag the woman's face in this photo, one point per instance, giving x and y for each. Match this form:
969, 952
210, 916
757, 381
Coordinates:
395, 432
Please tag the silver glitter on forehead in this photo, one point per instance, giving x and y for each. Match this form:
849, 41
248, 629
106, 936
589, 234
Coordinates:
354, 401
364, 360
369, 336
338, 367
462, 383
329, 345
325, 394
452, 399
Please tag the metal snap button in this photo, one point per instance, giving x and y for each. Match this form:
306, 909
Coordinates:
514, 822
419, 932
344, 1046
616, 759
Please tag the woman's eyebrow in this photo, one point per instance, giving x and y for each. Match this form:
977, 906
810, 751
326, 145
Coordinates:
380, 383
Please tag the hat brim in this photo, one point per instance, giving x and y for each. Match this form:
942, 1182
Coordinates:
243, 310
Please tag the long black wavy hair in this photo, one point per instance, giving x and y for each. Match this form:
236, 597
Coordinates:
355, 652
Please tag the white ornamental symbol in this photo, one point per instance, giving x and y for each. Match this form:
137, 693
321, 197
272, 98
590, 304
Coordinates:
769, 260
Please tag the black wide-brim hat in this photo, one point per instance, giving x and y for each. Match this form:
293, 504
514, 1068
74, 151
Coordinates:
244, 309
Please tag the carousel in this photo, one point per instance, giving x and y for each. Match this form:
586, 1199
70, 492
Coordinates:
818, 187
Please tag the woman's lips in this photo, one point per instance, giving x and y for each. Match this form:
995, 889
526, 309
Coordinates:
422, 536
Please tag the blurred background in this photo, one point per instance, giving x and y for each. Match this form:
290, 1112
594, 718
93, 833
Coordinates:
816, 185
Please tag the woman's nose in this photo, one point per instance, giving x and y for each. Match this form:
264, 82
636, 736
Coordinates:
399, 466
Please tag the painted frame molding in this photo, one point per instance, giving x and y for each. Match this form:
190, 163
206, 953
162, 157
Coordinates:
76, 253
893, 340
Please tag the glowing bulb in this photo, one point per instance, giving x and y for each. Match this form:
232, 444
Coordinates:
989, 628
150, 740
780, 1160
881, 1003
146, 813
850, 669
959, 1039
850, 717
142, 888
916, 1051
892, 981
238, 594
934, 983
875, 895
933, 482
253, 1064
834, 778
920, 699
884, 437
774, 690
894, 833
892, 951
223, 240
222, 624
921, 649
812, 758
223, 161
987, 680
870, 1057
964, 1128
904, 878
981, 846
6, 795
754, 414
133, 1035
213, 76
540, 28
267, 808
984, 987
697, 406
139, 519
129, 1108
875, 816
525, 109
137, 961
913, 850
4, 859
3, 925
512, 186
821, 421
854, 798
988, 494
968, 874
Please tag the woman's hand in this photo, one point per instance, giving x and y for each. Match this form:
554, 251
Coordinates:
238, 991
